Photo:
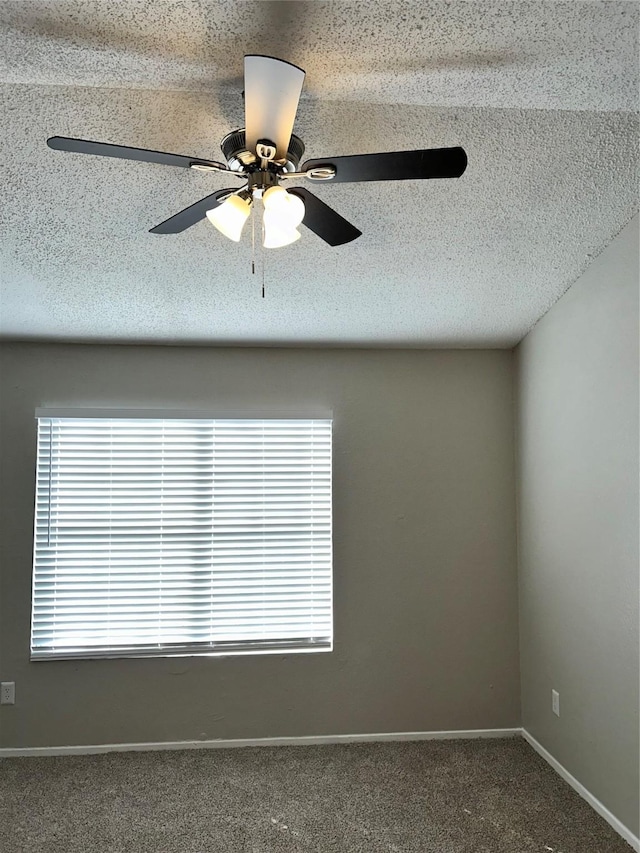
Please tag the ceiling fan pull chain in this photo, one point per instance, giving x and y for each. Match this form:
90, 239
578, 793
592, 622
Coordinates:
262, 252
253, 240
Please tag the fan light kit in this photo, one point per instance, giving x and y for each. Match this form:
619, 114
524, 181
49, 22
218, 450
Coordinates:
267, 153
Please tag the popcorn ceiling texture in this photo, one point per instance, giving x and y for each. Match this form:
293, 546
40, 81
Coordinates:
539, 55
543, 96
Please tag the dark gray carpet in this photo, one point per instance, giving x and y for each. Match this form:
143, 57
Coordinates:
440, 796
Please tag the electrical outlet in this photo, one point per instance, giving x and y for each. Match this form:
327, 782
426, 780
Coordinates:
7, 693
555, 702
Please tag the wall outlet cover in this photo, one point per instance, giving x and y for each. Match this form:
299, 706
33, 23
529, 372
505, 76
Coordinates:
555, 702
7, 693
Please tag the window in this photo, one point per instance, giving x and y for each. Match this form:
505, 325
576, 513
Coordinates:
181, 536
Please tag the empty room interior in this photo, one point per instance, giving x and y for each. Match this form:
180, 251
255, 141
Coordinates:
319, 518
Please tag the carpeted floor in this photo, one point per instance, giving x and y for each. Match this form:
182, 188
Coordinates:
431, 796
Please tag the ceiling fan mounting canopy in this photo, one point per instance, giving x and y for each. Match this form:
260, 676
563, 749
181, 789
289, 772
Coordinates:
266, 151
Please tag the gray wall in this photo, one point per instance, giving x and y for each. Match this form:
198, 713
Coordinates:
577, 374
425, 558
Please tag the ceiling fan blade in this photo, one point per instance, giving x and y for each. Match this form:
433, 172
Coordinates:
105, 149
272, 90
324, 220
395, 165
190, 215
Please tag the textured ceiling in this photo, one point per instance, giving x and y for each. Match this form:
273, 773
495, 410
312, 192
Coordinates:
543, 96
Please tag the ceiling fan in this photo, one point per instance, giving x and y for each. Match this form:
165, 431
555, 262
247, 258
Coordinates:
266, 153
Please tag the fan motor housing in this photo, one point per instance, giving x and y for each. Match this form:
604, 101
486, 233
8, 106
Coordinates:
239, 158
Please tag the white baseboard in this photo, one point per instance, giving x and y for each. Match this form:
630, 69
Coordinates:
594, 802
307, 740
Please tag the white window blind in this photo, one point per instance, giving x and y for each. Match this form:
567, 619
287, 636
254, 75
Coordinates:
181, 536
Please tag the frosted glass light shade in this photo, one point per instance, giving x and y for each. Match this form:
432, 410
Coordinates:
288, 207
276, 233
230, 216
